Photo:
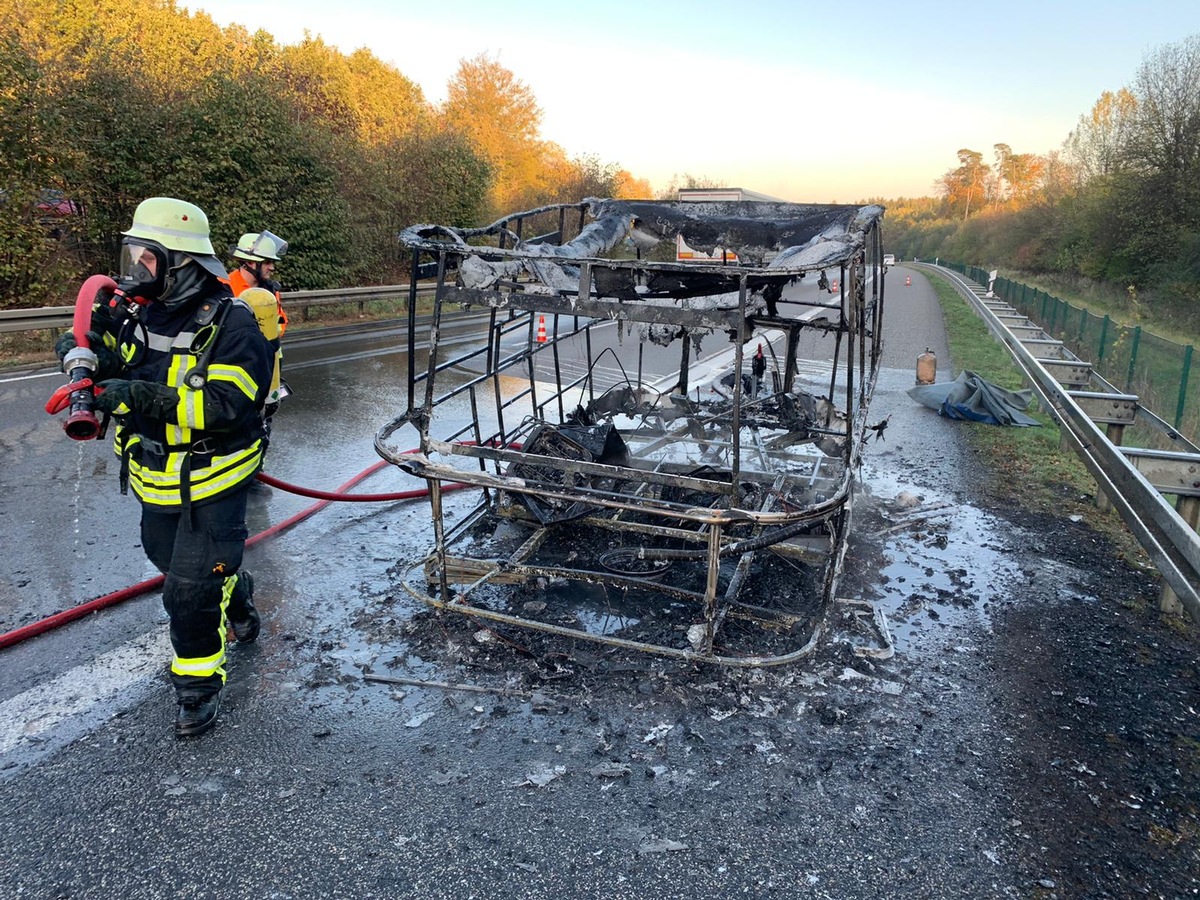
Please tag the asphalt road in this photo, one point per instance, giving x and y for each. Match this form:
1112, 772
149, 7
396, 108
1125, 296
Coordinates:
643, 780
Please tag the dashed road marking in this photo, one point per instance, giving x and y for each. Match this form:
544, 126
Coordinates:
51, 715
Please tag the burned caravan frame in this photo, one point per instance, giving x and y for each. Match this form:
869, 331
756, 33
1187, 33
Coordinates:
605, 487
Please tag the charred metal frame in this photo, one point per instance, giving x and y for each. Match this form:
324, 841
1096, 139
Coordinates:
705, 483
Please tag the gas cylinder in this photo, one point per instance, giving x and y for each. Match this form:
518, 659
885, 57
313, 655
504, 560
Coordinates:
927, 367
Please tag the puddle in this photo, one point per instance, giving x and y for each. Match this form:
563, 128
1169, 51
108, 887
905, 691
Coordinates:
944, 564
590, 608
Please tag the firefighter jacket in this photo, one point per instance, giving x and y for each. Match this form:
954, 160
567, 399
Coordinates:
212, 441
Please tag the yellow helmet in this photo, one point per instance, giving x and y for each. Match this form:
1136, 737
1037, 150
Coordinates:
173, 224
257, 246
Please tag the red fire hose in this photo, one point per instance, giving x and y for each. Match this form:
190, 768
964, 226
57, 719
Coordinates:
81, 423
25, 632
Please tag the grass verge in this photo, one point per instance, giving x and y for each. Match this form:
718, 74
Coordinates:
1027, 469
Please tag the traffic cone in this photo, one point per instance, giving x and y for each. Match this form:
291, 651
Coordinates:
833, 287
907, 280
541, 337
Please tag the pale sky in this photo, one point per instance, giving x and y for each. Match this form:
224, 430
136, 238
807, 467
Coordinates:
808, 102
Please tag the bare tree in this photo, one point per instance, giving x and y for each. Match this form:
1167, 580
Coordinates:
1097, 145
1167, 138
999, 186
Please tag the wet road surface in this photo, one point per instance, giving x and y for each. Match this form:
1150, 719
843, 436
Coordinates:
630, 778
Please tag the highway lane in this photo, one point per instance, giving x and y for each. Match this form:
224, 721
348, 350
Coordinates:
72, 536
337, 788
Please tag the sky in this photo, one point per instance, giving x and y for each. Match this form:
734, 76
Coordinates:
808, 102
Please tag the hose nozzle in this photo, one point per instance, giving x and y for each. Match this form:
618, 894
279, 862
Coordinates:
81, 424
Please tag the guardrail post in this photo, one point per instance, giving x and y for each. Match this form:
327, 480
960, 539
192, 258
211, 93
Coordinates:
1189, 510
1183, 384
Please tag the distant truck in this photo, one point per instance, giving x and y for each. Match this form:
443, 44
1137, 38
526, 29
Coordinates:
889, 259
684, 253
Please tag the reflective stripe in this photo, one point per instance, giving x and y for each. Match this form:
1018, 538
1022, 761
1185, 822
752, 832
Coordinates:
176, 435
190, 410
202, 666
144, 229
223, 472
181, 364
119, 438
227, 587
165, 343
236, 375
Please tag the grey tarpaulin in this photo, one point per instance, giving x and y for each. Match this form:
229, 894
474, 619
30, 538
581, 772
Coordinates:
970, 397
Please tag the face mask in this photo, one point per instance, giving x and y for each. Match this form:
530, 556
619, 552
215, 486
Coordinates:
142, 270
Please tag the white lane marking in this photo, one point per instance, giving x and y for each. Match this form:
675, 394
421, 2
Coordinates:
11, 379
51, 715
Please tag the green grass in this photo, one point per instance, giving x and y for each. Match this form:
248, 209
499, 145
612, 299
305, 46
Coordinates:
1027, 469
1130, 342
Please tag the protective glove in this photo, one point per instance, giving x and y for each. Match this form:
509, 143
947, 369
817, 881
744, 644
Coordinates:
65, 344
121, 397
108, 363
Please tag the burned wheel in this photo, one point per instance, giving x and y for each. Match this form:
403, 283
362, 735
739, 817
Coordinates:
628, 561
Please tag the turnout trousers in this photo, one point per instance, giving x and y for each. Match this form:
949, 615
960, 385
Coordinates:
199, 552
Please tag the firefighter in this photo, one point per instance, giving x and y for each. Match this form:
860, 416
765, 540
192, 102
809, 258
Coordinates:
188, 403
256, 255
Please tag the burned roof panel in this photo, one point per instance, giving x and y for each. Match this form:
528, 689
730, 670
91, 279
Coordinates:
755, 230
778, 234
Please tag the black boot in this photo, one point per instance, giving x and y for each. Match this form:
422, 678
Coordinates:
196, 716
243, 617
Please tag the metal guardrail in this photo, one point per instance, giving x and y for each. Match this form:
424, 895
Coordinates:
39, 319
1172, 544
56, 317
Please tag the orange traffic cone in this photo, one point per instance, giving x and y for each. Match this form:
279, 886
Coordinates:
834, 286
541, 337
907, 280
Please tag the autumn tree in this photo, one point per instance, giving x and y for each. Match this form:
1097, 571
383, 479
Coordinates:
582, 177
105, 104
626, 187
501, 118
27, 140
963, 187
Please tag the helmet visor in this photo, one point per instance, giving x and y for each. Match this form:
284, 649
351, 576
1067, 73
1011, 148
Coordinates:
268, 246
142, 268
